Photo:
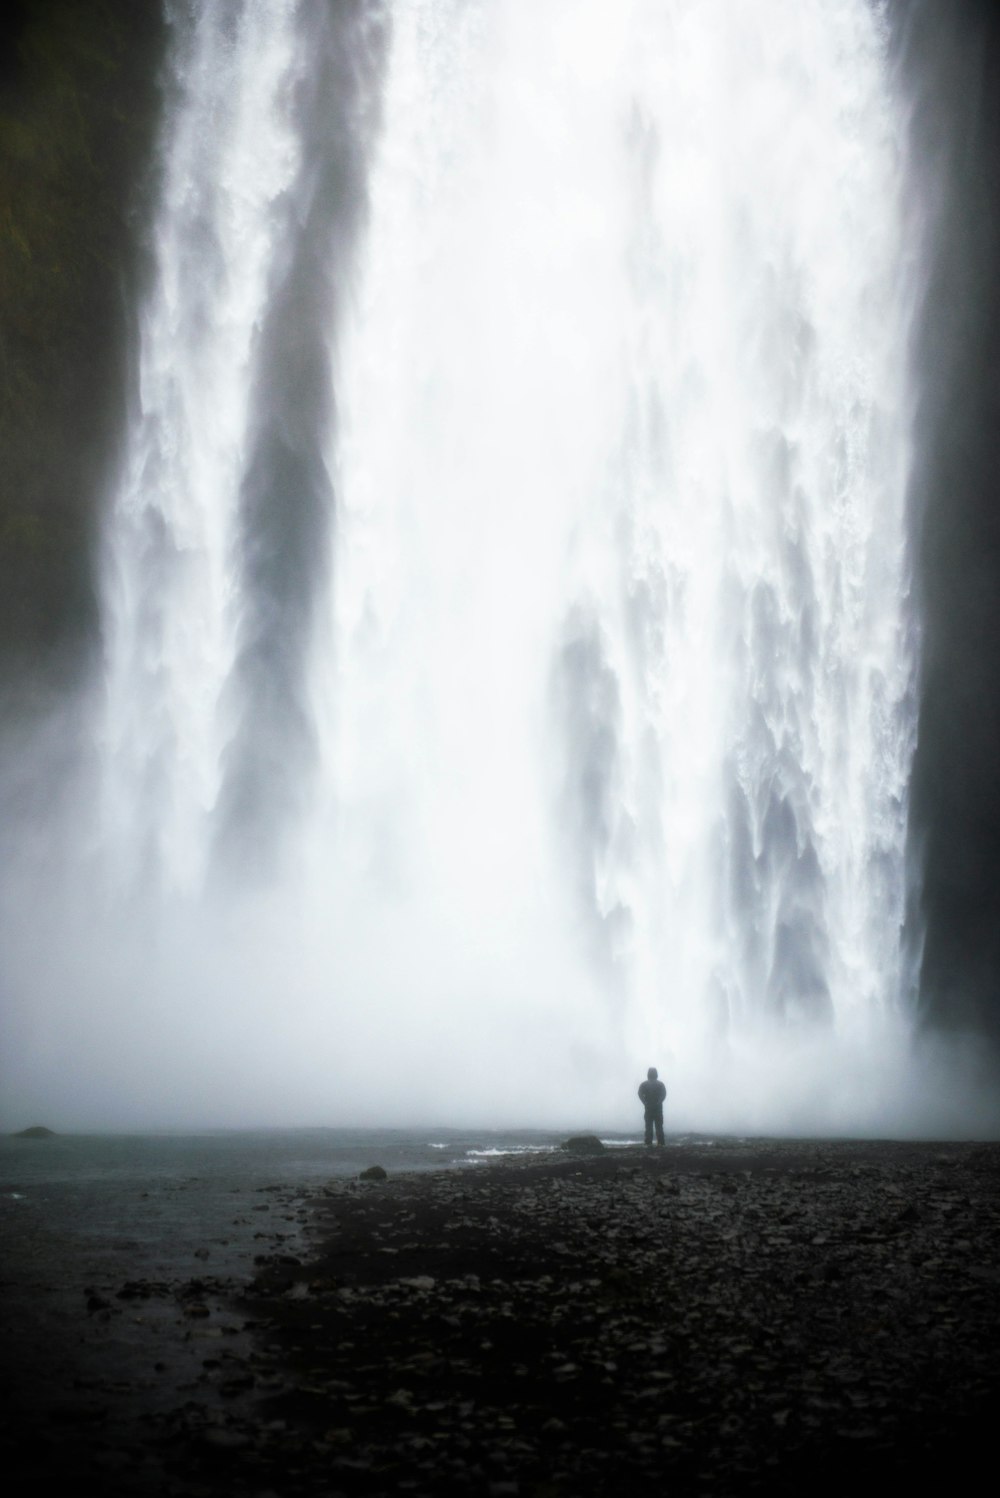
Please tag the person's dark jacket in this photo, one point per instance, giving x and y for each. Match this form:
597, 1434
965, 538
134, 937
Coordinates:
652, 1095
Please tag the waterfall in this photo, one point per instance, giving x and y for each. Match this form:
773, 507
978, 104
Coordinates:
219, 530
510, 656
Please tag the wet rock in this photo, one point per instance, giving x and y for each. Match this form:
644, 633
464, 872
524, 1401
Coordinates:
238, 1384
225, 1440
142, 1290
580, 1326
374, 1173
78, 1414
584, 1144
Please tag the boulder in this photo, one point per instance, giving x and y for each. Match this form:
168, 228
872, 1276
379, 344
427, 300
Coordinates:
584, 1144
373, 1173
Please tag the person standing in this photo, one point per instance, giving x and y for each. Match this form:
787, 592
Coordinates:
652, 1093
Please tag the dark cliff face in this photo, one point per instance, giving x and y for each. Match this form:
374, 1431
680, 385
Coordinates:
78, 108
948, 56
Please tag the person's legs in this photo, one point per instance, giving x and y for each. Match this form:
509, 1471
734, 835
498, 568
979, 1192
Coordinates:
659, 1128
649, 1129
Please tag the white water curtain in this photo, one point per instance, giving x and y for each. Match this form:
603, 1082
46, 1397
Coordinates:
609, 676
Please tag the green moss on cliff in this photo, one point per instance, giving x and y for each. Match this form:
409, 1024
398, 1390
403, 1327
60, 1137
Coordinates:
78, 105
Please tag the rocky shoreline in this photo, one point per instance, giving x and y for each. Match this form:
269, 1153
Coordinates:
728, 1316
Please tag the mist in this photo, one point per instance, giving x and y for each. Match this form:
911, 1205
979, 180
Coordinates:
514, 639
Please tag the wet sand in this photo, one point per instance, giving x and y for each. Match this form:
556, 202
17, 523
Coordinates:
721, 1316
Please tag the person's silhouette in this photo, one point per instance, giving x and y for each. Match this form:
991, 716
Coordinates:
652, 1093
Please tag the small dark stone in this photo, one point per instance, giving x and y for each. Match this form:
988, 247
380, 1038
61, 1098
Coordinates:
584, 1144
78, 1414
133, 1290
238, 1385
373, 1173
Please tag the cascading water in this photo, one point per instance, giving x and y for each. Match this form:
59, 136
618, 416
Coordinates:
172, 598
620, 602
225, 508
509, 568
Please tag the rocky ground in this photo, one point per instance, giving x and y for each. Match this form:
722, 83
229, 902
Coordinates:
723, 1316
